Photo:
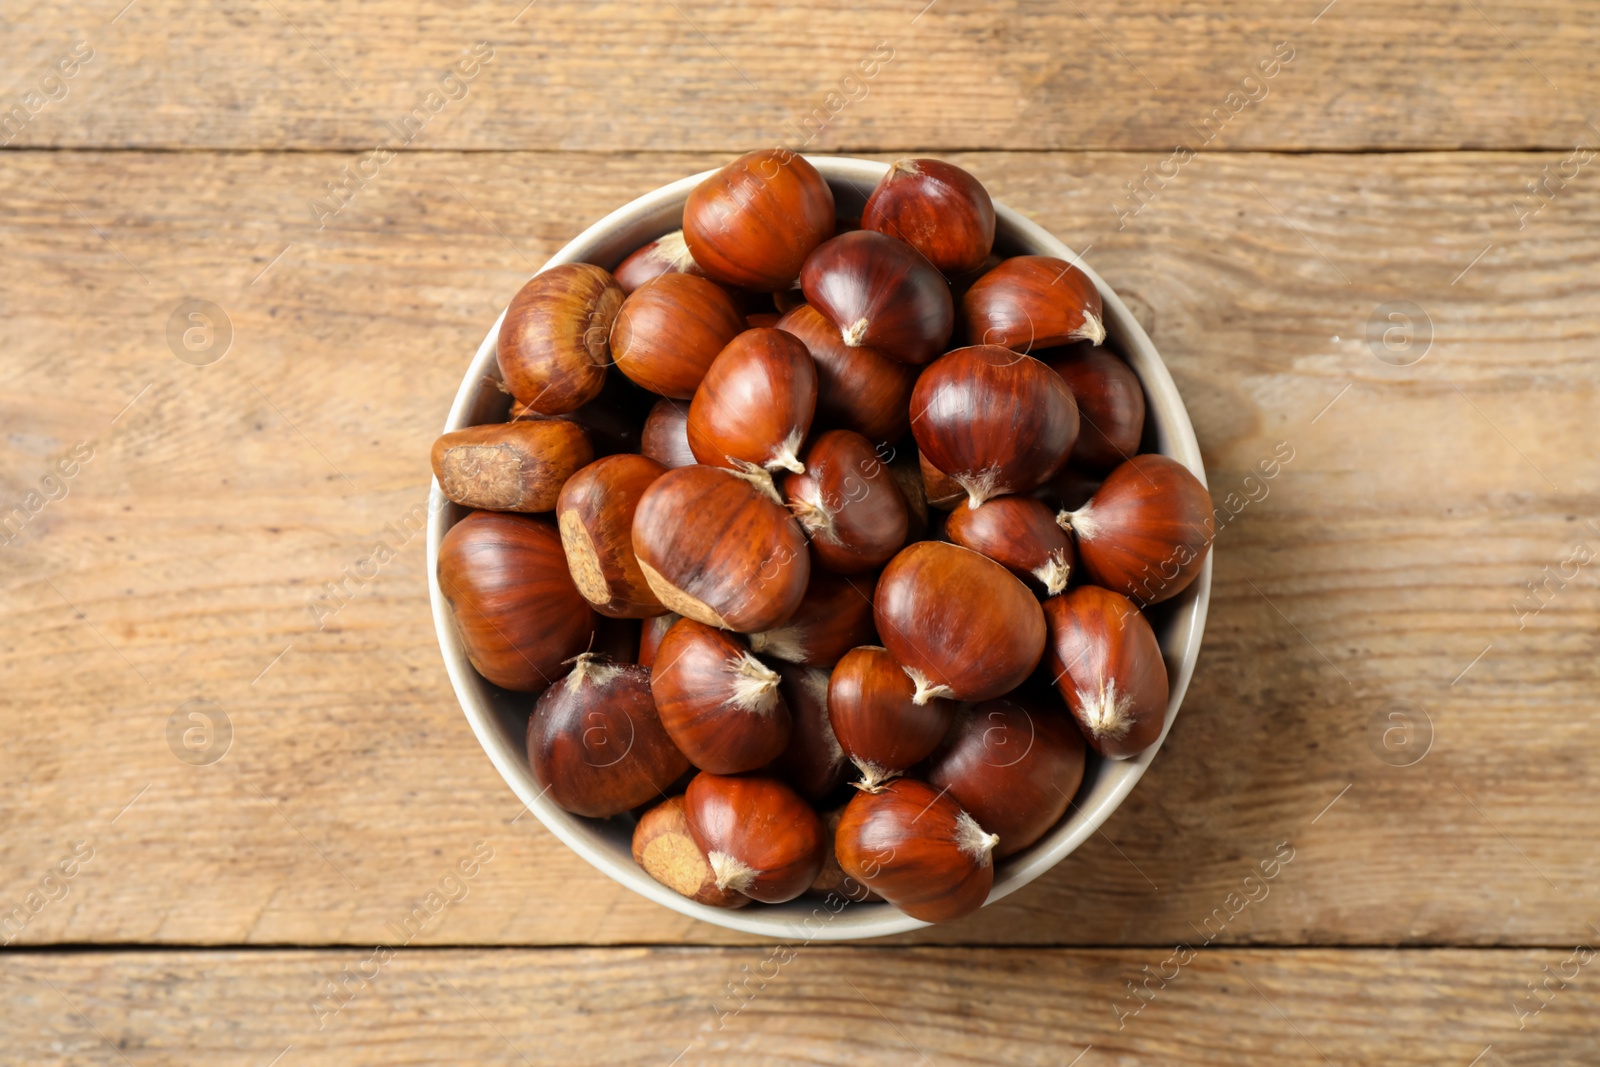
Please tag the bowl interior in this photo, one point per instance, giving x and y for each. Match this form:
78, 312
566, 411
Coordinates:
499, 718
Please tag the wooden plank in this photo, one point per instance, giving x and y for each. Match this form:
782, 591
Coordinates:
1382, 565
722, 76
804, 1005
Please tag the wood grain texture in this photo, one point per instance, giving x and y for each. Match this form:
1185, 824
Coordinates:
728, 77
186, 555
802, 1005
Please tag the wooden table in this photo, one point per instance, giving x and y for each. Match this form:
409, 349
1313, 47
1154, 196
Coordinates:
1383, 696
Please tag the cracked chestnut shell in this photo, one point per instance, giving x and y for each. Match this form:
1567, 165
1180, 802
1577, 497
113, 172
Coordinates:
882, 293
1033, 302
760, 836
1105, 660
753, 223
554, 345
938, 209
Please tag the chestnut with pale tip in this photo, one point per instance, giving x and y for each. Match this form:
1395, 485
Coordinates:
669, 330
1019, 533
847, 503
834, 616
1033, 302
595, 744
668, 254
1110, 405
664, 847
595, 514
666, 434
718, 546
1014, 765
918, 849
1105, 660
720, 704
554, 344
876, 718
753, 223
760, 836
881, 293
510, 466
1146, 531
960, 624
755, 404
938, 209
859, 388
812, 761
512, 600
994, 420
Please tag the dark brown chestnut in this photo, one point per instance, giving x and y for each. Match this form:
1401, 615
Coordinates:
669, 330
666, 434
665, 255
1105, 660
1110, 405
938, 488
650, 634
834, 616
595, 514
1146, 531
917, 849
512, 600
753, 223
831, 881
1019, 533
595, 743
761, 837
664, 847
906, 470
553, 346
880, 292
755, 404
995, 421
876, 718
812, 762
938, 209
510, 466
611, 420
1033, 302
859, 388
848, 503
720, 705
962, 625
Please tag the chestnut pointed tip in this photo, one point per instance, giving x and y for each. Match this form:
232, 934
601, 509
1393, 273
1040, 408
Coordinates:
927, 689
1108, 714
731, 873
755, 685
874, 779
1054, 573
854, 335
1081, 522
1092, 330
759, 477
974, 840
787, 457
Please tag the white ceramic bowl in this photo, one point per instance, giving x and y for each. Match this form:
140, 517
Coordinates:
499, 718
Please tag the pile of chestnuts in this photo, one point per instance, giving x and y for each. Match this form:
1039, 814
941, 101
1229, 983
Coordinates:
823, 544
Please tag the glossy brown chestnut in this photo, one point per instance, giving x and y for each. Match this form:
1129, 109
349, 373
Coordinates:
663, 846
595, 515
1105, 660
876, 719
762, 320
995, 421
812, 762
858, 389
664, 255
1110, 405
651, 632
848, 503
832, 883
553, 346
939, 489
917, 849
1033, 302
1146, 531
959, 623
906, 470
754, 406
938, 209
595, 743
880, 292
510, 466
666, 434
512, 599
762, 839
720, 705
1019, 533
1014, 765
752, 223
669, 330
834, 616
718, 547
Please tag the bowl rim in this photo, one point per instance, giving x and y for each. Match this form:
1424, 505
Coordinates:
1182, 630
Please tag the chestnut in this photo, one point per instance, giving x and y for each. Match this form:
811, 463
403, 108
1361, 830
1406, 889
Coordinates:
812, 762
1014, 765
858, 389
510, 466
595, 515
1068, 489
961, 624
512, 600
665, 255
938, 209
880, 292
876, 718
720, 705
1019, 533
1033, 302
1146, 530
906, 470
831, 880
669, 330
1110, 405
938, 488
995, 421
848, 503
834, 616
754, 406
761, 838
753, 223
718, 547
1104, 658
553, 348
918, 849
666, 434
611, 419
663, 846
595, 743
650, 634
616, 639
